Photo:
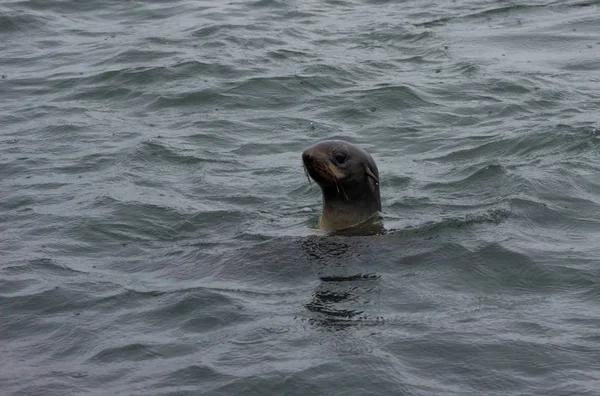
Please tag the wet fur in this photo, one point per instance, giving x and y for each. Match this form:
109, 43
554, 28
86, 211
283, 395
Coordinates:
350, 189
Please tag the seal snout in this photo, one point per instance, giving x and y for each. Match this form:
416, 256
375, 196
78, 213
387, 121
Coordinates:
313, 161
312, 156
319, 167
307, 157
310, 161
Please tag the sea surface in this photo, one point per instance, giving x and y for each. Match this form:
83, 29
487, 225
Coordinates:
157, 230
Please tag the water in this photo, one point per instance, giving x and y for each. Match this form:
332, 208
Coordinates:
156, 224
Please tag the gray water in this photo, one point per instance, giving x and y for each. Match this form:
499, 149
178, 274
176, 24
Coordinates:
157, 229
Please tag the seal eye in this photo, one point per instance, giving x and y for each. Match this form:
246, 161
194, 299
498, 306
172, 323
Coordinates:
340, 157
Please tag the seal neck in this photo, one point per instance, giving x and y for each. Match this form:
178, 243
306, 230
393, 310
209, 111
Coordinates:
343, 211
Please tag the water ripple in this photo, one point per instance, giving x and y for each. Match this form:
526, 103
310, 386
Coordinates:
157, 226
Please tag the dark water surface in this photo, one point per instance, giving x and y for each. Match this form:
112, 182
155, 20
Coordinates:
156, 224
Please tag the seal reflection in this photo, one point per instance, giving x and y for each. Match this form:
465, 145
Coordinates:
345, 293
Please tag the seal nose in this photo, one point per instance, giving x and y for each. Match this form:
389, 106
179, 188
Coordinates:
307, 157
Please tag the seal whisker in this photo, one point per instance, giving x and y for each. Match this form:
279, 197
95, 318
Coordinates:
344, 191
307, 175
338, 186
325, 171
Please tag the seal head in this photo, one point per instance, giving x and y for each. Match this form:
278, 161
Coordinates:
349, 180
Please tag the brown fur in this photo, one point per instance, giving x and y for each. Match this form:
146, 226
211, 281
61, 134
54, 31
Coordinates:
349, 180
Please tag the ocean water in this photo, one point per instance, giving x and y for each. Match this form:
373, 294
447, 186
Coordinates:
157, 229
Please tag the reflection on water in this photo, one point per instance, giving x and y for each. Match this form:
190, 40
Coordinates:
337, 300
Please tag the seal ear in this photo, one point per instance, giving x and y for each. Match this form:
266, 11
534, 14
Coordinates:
372, 175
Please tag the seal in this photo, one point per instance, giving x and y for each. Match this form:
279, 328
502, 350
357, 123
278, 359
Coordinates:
349, 180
